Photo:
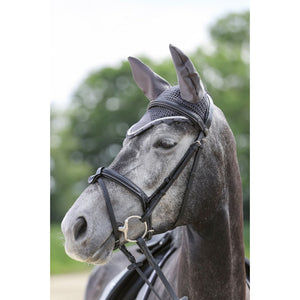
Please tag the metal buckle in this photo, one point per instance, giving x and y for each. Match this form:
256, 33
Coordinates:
124, 228
93, 178
198, 142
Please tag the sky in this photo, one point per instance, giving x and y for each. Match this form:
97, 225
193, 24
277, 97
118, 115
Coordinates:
90, 34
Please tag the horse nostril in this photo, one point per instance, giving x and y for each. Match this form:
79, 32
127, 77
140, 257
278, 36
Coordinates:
80, 227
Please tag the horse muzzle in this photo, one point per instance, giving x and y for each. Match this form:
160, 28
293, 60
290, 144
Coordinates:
82, 244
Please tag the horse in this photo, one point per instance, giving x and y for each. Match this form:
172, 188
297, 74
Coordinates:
201, 209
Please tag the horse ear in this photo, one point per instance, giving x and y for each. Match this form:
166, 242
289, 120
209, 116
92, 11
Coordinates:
149, 82
190, 84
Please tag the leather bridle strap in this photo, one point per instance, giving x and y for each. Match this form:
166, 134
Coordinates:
111, 213
169, 180
189, 184
136, 266
141, 243
126, 183
123, 181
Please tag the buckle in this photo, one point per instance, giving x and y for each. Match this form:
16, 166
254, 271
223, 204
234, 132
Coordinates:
94, 177
198, 143
125, 228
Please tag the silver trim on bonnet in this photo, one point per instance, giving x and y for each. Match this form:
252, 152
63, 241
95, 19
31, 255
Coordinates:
130, 132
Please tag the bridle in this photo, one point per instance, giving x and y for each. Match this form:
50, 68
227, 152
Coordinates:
149, 202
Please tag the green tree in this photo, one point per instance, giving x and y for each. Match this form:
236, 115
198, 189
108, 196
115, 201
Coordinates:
68, 167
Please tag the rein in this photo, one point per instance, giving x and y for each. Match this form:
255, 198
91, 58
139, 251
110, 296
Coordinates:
149, 203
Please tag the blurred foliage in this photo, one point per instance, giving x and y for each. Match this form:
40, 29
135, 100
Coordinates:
90, 132
68, 167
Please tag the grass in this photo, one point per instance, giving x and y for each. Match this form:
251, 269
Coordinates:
61, 263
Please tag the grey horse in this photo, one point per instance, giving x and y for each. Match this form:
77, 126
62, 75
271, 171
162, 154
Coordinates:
209, 259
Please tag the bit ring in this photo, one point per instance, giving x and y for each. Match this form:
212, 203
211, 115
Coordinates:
125, 228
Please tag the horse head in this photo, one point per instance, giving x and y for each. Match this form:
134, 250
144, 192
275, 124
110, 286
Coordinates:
151, 150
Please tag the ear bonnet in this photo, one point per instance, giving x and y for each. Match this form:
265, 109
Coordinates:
189, 95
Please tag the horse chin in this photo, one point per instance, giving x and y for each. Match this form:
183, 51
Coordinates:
94, 255
104, 253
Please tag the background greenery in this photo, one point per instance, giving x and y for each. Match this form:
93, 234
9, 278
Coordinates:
90, 131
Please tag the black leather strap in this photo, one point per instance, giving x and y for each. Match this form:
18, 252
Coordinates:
189, 184
136, 266
123, 181
141, 243
127, 183
110, 211
167, 183
153, 275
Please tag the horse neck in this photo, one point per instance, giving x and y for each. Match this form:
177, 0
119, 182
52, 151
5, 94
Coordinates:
212, 253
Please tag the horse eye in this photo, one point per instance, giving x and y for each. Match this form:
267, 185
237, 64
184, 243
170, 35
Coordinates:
165, 143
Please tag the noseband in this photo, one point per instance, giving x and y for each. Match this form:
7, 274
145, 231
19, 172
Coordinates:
149, 203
